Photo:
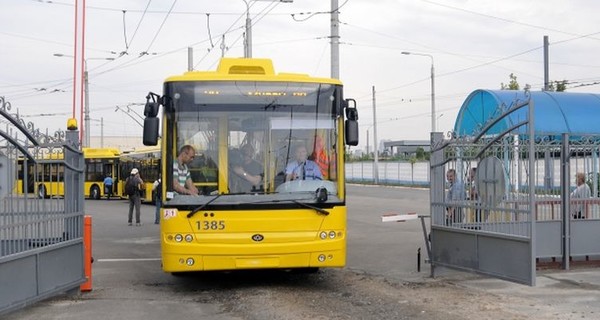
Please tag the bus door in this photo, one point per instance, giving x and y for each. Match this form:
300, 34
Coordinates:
109, 170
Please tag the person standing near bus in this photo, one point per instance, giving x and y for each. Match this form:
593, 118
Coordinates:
182, 179
456, 193
157, 189
581, 192
133, 185
108, 186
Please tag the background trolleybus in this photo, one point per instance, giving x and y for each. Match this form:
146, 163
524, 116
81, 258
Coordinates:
99, 162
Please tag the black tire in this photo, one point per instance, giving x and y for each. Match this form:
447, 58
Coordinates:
95, 192
180, 274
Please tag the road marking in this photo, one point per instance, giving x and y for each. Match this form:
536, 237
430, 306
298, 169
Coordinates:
127, 260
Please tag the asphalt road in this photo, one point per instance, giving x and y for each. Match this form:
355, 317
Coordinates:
127, 258
380, 279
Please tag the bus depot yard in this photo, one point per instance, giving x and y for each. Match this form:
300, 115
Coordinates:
380, 280
257, 221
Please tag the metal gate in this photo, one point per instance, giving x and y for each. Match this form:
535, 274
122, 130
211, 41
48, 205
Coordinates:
482, 221
41, 212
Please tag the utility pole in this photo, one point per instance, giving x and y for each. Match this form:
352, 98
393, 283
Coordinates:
190, 59
432, 76
223, 47
335, 40
248, 32
367, 143
248, 38
546, 68
102, 132
375, 144
86, 134
85, 131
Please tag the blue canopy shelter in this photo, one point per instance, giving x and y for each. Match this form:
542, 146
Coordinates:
555, 112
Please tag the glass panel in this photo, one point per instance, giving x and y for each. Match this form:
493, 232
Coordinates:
252, 137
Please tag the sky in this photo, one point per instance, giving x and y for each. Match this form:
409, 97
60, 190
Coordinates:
472, 44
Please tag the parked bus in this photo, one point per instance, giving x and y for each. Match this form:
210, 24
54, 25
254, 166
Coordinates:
147, 161
99, 163
277, 222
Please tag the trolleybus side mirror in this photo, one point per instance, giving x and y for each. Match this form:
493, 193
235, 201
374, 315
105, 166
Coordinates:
151, 125
153, 102
151, 122
351, 124
351, 133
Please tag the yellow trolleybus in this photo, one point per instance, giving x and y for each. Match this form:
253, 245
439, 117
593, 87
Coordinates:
260, 202
99, 163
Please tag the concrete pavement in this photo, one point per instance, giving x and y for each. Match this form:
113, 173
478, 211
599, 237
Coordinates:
129, 283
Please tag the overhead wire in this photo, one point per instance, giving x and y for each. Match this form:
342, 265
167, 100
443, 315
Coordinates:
212, 45
136, 28
229, 29
505, 19
159, 29
312, 14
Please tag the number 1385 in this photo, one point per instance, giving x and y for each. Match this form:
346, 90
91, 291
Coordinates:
210, 225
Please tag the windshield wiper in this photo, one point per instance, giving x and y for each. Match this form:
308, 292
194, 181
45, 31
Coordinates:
193, 212
306, 205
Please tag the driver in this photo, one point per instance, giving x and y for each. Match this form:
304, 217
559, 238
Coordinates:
302, 168
182, 179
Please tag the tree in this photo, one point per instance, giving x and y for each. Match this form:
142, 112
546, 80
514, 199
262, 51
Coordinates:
420, 153
558, 86
512, 85
412, 161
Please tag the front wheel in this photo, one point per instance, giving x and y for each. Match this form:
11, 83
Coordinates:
95, 192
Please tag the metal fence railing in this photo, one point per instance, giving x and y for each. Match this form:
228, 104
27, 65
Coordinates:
41, 212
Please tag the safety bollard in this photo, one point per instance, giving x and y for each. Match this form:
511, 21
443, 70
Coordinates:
419, 259
87, 254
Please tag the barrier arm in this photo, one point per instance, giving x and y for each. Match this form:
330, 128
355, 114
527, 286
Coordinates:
396, 217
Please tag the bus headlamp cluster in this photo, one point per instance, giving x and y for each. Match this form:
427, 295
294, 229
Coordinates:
331, 234
180, 238
189, 261
322, 257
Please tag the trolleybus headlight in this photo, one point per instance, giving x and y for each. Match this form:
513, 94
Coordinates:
178, 238
189, 238
331, 234
189, 262
323, 235
321, 258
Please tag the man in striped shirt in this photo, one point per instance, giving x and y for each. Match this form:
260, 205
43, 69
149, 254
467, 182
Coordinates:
182, 180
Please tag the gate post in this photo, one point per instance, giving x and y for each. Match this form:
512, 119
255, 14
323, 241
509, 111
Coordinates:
87, 253
436, 187
565, 200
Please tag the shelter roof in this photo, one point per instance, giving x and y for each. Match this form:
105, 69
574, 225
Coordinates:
555, 112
